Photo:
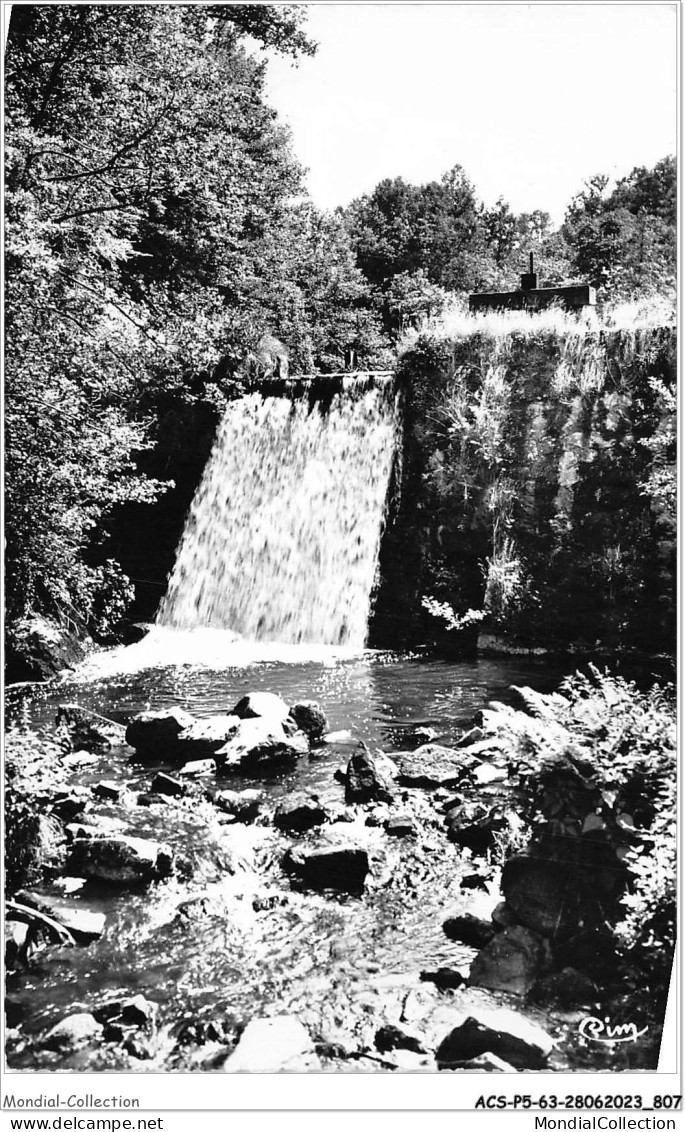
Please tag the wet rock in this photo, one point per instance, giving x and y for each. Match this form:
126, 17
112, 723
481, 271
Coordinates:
88, 731
299, 813
567, 989
486, 773
243, 805
501, 1032
134, 1047
73, 1033
44, 846
511, 962
485, 1063
77, 760
68, 806
121, 860
539, 893
475, 825
310, 719
138, 1011
154, 734
469, 929
165, 784
432, 766
377, 817
260, 744
401, 825
84, 926
16, 939
269, 902
474, 880
94, 825
262, 705
445, 978
338, 738
273, 1045
473, 736
197, 768
149, 799
364, 782
109, 791
205, 737
329, 863
200, 1033
397, 1037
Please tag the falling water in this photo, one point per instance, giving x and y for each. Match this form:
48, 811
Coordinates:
282, 539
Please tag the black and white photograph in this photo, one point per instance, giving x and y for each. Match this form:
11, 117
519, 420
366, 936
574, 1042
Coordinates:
340, 519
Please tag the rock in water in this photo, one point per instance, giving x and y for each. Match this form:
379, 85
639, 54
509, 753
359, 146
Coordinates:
273, 1045
309, 717
510, 962
243, 805
165, 784
205, 736
262, 705
501, 1032
121, 860
469, 929
73, 1032
364, 782
329, 863
154, 734
87, 730
299, 813
260, 744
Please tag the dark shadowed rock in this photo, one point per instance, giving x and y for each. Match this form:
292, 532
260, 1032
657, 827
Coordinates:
73, 1033
16, 938
397, 1037
445, 978
485, 1063
109, 791
329, 863
511, 962
88, 731
475, 825
432, 766
38, 649
501, 1032
540, 894
310, 718
469, 929
273, 1045
567, 988
165, 784
364, 782
154, 734
401, 825
121, 860
197, 768
299, 813
502, 916
206, 736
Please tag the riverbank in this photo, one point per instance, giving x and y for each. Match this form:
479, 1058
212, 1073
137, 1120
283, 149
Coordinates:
378, 901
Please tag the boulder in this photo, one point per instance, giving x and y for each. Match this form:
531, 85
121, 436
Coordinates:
72, 1033
67, 806
329, 863
511, 962
205, 737
309, 717
121, 860
165, 784
485, 1063
154, 734
432, 766
84, 926
88, 731
41, 843
38, 649
122, 1014
486, 773
109, 791
501, 1032
273, 1045
473, 736
260, 744
262, 705
243, 805
469, 929
299, 813
364, 782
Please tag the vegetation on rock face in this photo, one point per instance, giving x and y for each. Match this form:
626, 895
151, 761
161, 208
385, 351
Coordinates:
545, 458
596, 767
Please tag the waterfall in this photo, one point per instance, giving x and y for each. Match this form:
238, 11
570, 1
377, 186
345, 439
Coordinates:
282, 539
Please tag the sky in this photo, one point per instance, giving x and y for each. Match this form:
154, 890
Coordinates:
530, 99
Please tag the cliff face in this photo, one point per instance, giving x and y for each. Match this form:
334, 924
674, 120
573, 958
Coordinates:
538, 486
